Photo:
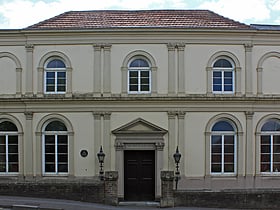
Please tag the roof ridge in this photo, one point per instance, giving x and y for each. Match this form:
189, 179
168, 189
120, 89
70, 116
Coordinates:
162, 18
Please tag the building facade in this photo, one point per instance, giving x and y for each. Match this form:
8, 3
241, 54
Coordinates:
139, 87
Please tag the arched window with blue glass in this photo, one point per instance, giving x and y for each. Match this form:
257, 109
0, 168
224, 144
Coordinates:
223, 148
55, 76
139, 76
270, 147
55, 148
223, 76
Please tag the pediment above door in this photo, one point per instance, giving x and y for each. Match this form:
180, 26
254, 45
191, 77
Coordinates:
139, 126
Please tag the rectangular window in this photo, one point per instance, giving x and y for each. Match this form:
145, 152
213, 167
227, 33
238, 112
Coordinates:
56, 154
139, 81
270, 153
222, 154
9, 157
55, 81
223, 81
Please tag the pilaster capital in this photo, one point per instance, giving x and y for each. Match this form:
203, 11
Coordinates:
181, 114
28, 115
181, 46
29, 47
171, 114
248, 47
209, 68
97, 47
97, 115
249, 115
106, 115
107, 47
119, 146
171, 46
159, 146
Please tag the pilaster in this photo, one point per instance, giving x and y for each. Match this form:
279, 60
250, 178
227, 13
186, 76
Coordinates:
19, 82
107, 69
171, 68
181, 68
248, 69
107, 138
29, 161
172, 137
250, 145
97, 137
29, 69
97, 70
259, 81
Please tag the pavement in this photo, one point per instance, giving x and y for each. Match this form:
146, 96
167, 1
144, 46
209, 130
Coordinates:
27, 203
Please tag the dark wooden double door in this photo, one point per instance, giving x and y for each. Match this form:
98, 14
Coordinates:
139, 175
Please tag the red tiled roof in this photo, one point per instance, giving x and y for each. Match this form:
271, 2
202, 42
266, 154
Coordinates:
98, 19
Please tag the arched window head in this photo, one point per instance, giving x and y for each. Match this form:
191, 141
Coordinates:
56, 64
222, 126
271, 125
223, 76
55, 148
139, 76
56, 126
55, 76
7, 126
9, 148
223, 148
270, 147
139, 63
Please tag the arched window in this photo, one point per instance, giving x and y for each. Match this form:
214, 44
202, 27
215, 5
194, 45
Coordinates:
9, 150
223, 76
55, 76
270, 147
223, 148
139, 76
55, 148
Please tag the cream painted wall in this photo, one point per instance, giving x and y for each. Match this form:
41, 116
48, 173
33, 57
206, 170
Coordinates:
196, 59
271, 76
158, 51
81, 58
8, 76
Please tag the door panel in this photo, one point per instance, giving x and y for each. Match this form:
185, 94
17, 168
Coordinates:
139, 175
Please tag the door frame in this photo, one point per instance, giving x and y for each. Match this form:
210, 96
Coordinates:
139, 135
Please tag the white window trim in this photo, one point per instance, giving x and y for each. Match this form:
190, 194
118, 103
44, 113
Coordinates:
6, 134
235, 153
56, 70
271, 134
139, 69
223, 70
56, 173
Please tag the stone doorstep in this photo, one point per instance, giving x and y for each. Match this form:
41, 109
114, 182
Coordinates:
140, 203
30, 207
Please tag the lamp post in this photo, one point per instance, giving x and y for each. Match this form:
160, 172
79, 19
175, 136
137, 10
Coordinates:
101, 157
177, 157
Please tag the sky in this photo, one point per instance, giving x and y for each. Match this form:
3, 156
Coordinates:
17, 14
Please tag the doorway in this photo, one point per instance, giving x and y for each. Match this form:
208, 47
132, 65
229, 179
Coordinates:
139, 175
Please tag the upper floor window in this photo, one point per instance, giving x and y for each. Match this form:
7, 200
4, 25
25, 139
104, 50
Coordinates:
55, 76
223, 148
55, 148
9, 151
139, 76
270, 147
223, 76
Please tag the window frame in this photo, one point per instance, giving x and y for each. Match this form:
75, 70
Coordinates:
223, 134
271, 135
55, 134
223, 70
139, 70
56, 71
